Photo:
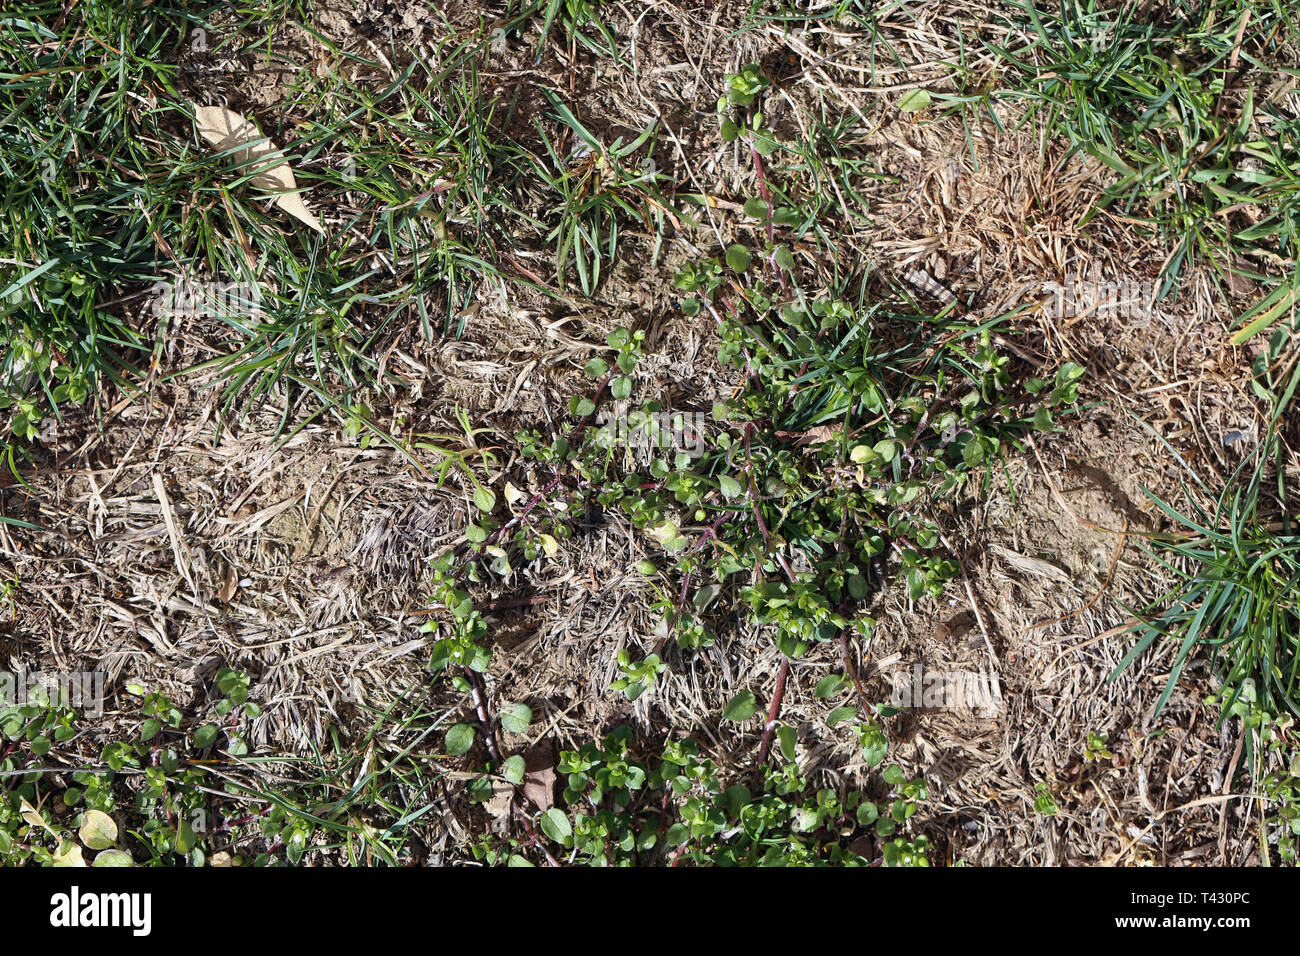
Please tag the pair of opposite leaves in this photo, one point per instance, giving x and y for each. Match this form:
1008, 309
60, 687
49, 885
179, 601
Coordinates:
231, 133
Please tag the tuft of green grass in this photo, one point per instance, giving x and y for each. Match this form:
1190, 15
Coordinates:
413, 169
111, 197
83, 188
1181, 108
597, 187
1237, 562
576, 21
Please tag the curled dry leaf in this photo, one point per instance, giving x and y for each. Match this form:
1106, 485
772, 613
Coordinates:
33, 816
229, 584
514, 495
226, 130
498, 805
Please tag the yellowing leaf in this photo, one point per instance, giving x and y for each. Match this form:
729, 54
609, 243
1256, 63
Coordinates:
664, 531
113, 858
228, 131
98, 830
549, 545
68, 854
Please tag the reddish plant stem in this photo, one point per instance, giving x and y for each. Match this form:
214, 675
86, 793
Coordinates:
753, 502
773, 711
761, 176
532, 503
576, 433
229, 825
479, 697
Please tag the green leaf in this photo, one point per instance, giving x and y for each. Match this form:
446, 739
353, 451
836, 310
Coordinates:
621, 387
596, 368
738, 257
556, 825
741, 707
786, 737
513, 769
459, 739
206, 736
185, 837
484, 498
830, 685
729, 486
914, 100
516, 718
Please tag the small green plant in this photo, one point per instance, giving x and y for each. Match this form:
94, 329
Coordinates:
793, 500
1095, 749
739, 117
147, 800
672, 806
1044, 801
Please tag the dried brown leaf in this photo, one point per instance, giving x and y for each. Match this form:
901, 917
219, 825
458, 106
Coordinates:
228, 131
539, 776
229, 584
